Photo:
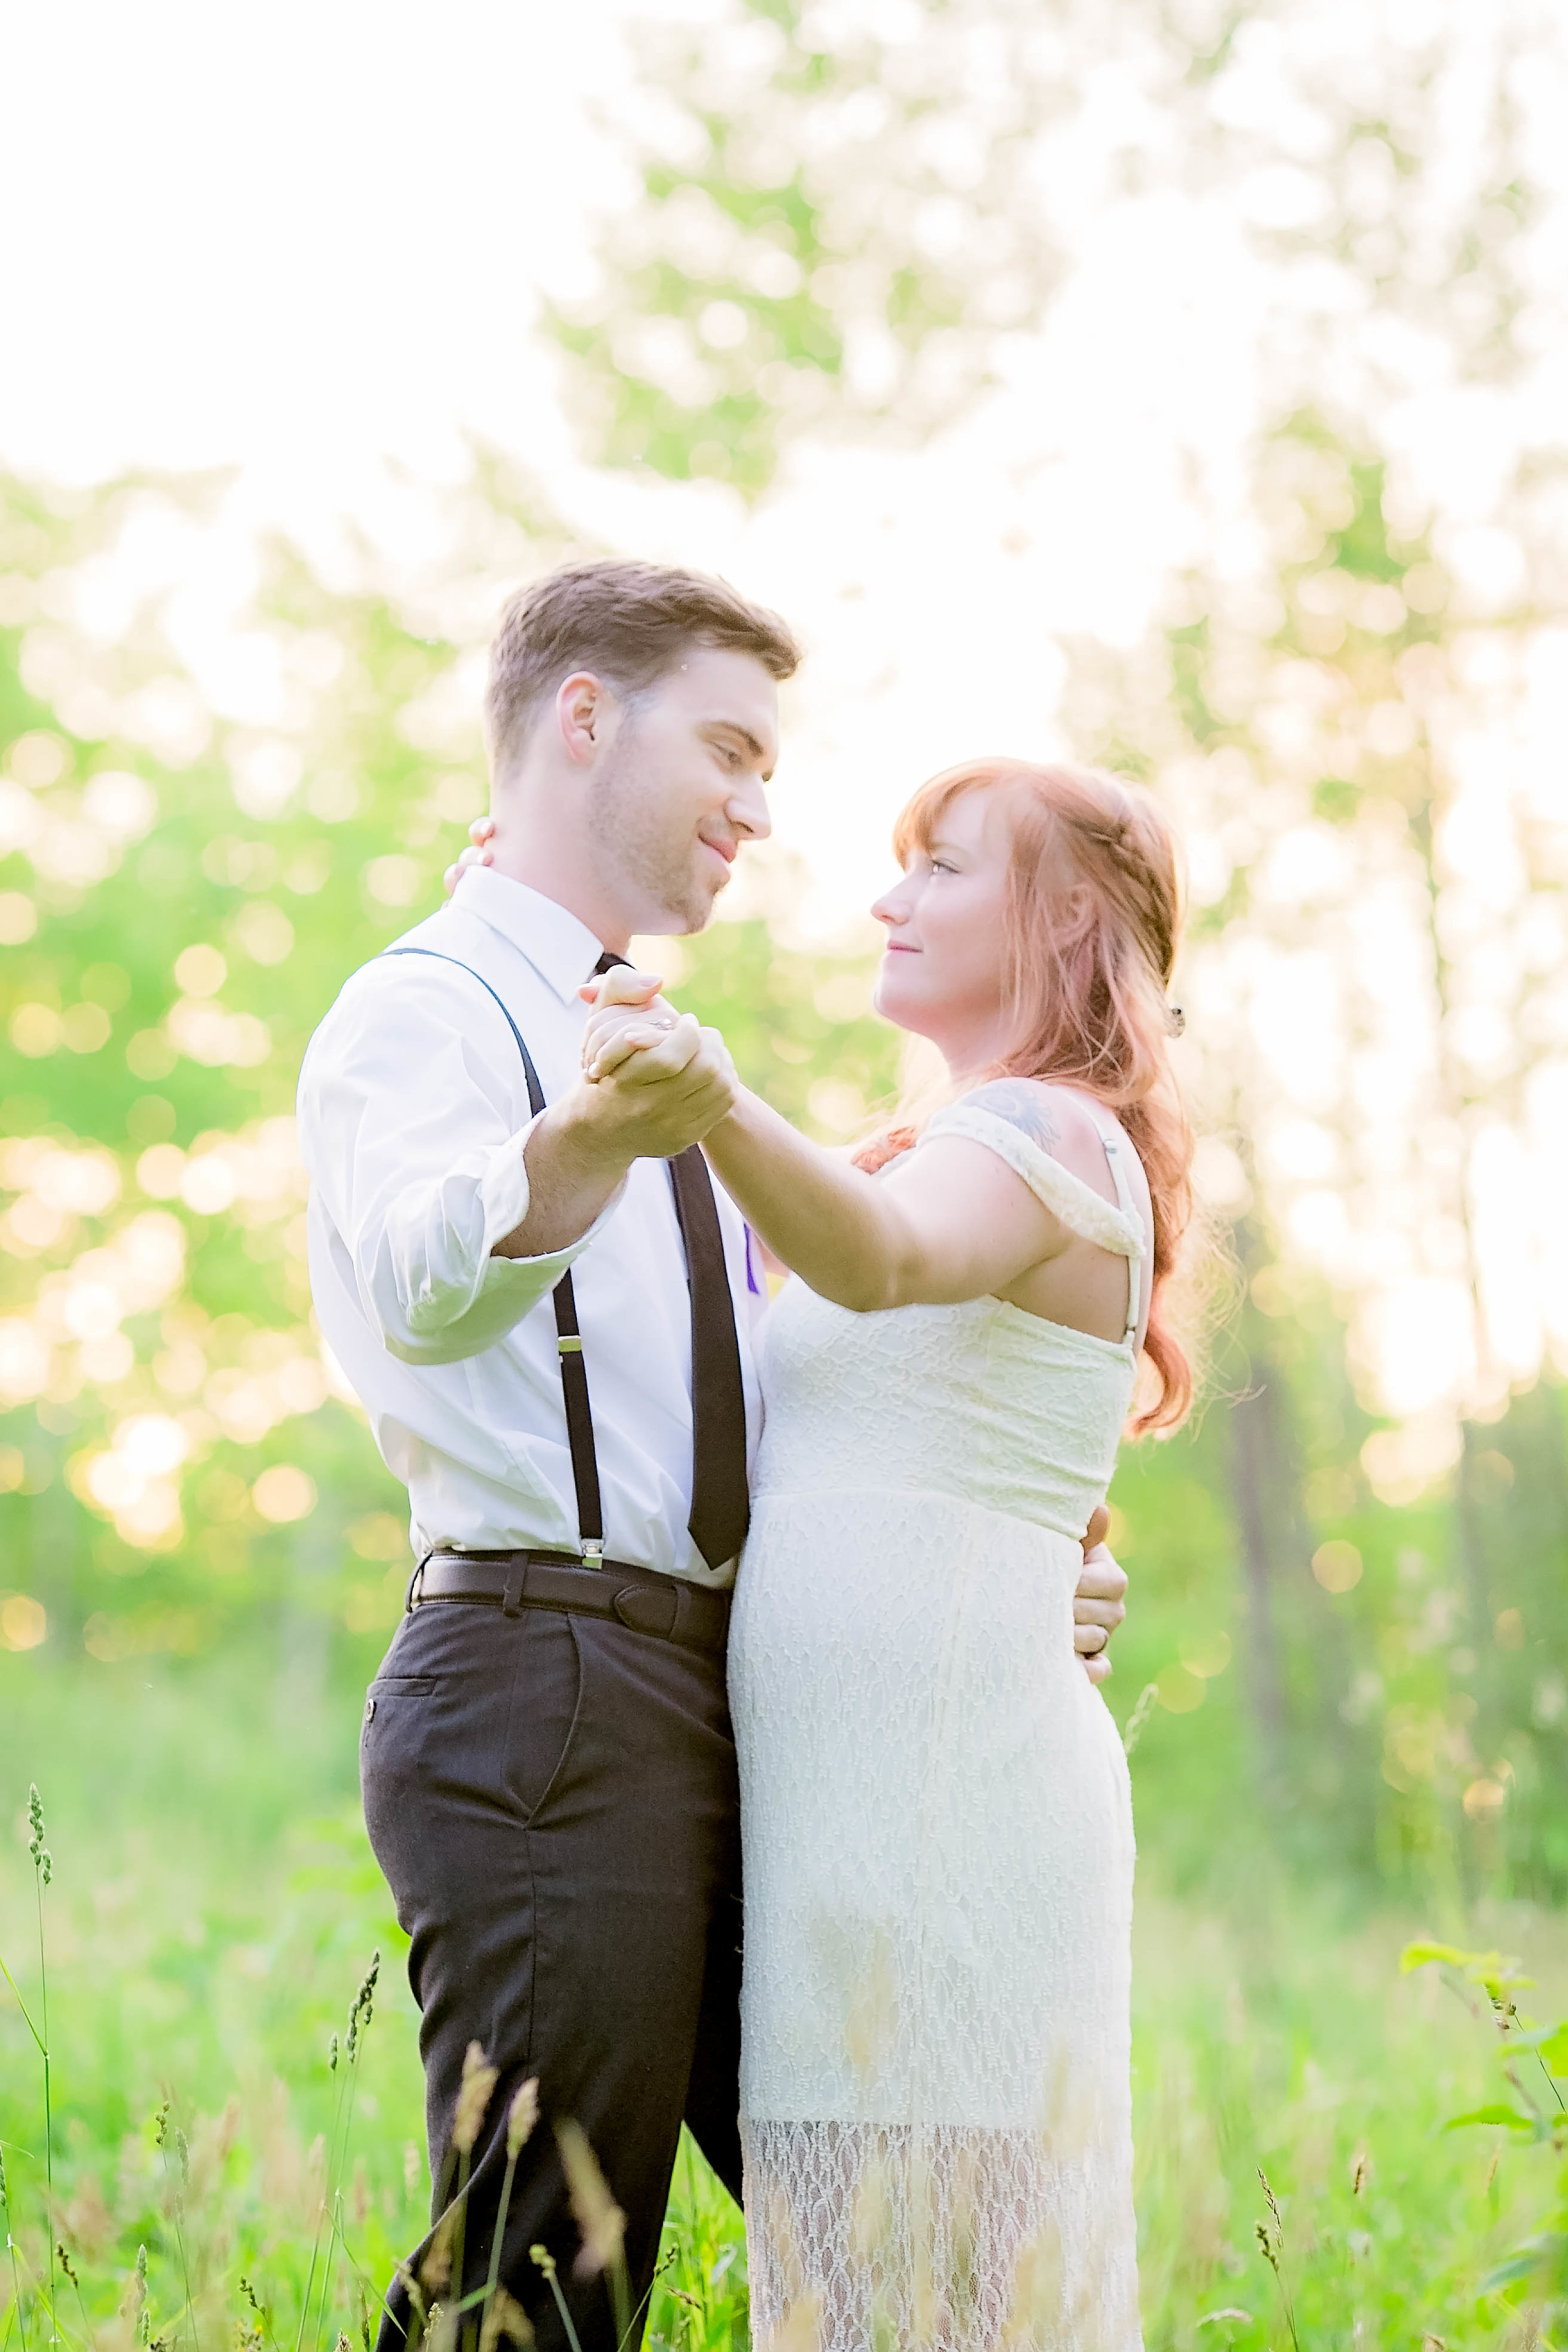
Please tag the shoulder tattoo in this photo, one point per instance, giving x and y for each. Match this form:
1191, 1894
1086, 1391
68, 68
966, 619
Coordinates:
1023, 1105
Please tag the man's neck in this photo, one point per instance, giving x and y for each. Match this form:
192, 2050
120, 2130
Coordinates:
557, 871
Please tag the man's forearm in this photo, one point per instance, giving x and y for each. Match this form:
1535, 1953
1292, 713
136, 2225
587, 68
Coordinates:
573, 1173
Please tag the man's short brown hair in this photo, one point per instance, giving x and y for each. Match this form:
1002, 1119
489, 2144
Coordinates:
629, 623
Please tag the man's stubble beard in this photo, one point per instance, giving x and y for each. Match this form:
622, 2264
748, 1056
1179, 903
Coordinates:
639, 849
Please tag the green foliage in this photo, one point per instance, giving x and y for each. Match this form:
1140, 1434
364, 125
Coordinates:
211, 1907
183, 894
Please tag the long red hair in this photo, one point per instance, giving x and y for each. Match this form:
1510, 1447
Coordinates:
1094, 920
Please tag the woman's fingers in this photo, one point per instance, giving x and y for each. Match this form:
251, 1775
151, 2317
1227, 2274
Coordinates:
620, 985
617, 1046
668, 1054
465, 858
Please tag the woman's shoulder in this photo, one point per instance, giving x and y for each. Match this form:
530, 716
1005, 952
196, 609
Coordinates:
1056, 1119
1058, 1140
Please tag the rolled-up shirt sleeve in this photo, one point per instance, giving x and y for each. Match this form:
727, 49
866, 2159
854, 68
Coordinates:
408, 1123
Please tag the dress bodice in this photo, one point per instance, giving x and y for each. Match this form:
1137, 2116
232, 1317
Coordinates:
981, 1402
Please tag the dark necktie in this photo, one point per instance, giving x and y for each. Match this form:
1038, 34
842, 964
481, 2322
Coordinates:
721, 1505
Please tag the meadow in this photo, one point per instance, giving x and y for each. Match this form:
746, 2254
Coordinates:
212, 1909
233, 769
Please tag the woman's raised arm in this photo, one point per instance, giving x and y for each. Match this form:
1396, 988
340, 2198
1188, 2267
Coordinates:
950, 1222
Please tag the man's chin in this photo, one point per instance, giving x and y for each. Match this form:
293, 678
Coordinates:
692, 913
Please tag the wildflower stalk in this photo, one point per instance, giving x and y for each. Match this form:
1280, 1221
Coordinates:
179, 2187
70, 2269
521, 2116
1139, 1718
360, 2015
599, 2218
546, 2262
43, 1871
16, 2307
473, 2100
1273, 2251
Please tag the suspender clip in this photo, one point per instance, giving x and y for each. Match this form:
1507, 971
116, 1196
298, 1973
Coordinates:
568, 1346
593, 1551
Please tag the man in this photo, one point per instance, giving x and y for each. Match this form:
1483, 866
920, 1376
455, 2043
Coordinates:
551, 1332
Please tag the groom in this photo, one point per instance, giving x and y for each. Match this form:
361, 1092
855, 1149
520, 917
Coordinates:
547, 1310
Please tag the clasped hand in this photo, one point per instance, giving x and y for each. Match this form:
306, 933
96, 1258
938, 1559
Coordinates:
666, 1081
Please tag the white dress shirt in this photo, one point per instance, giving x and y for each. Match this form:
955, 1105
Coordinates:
412, 1117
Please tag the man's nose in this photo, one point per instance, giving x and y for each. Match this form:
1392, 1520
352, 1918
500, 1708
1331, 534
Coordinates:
747, 810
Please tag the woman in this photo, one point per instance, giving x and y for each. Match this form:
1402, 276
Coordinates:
935, 1808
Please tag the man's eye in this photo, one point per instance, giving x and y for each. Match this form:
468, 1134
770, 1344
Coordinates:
940, 865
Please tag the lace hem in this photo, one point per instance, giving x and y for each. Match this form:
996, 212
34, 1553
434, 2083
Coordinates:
944, 2237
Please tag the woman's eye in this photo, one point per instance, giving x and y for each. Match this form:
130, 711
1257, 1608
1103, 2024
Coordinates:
940, 865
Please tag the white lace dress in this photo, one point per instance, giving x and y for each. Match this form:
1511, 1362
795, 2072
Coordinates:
937, 1823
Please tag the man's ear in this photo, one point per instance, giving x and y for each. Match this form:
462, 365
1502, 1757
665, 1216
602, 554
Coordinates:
582, 708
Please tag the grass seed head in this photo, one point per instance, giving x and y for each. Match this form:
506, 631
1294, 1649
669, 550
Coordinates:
599, 2218
436, 2270
332, 2055
4, 2199
505, 2316
135, 2302
1139, 1718
522, 2115
39, 1854
478, 2082
544, 2257
410, 2286
66, 2264
363, 2002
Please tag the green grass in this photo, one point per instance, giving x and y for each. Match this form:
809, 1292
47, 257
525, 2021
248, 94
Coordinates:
214, 1906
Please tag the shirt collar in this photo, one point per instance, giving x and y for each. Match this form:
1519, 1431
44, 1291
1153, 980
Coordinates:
562, 950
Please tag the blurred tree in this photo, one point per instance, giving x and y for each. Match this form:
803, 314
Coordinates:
211, 811
854, 214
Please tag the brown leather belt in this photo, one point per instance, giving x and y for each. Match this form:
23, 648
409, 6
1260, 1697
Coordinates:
668, 1606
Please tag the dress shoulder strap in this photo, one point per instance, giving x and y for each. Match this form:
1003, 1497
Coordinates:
1077, 1205
1116, 1148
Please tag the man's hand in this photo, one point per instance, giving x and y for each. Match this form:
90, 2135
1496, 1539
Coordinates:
1098, 1605
663, 1087
578, 1151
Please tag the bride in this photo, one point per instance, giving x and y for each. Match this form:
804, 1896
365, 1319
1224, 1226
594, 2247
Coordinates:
935, 1810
